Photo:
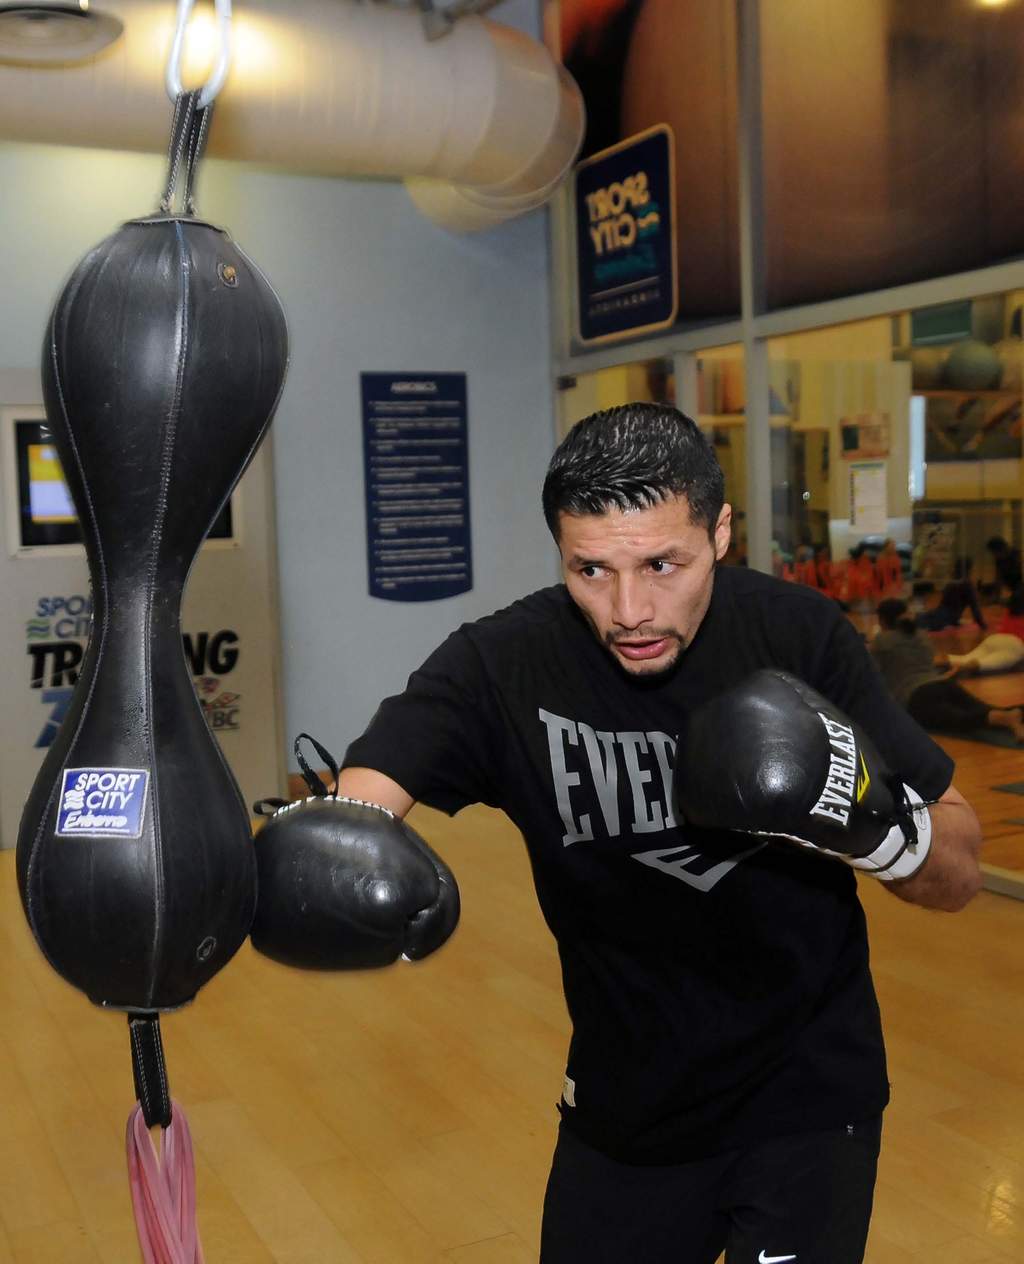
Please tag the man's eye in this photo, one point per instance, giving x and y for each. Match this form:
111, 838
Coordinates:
661, 567
590, 572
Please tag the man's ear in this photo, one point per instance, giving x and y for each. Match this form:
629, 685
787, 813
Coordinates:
723, 532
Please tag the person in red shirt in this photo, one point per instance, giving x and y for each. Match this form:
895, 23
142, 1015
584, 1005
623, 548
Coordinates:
805, 570
861, 579
889, 571
829, 574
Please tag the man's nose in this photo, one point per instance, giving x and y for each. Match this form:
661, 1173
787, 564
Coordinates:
633, 603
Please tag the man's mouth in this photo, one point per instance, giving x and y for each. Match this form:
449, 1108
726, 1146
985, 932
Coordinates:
641, 649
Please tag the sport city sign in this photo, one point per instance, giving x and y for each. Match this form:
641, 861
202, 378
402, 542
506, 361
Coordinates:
625, 239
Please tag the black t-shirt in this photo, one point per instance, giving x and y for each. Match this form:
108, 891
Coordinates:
718, 987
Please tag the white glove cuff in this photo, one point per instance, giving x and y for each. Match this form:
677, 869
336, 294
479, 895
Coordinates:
894, 859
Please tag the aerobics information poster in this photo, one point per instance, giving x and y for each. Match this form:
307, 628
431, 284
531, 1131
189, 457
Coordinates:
416, 468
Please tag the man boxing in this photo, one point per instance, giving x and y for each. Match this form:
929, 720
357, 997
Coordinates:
726, 1074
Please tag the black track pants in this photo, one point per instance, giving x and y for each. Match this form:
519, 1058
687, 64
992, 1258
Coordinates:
802, 1199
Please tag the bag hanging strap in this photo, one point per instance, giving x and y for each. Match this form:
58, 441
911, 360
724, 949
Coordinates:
149, 1070
190, 126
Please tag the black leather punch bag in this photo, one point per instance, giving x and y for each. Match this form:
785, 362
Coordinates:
162, 366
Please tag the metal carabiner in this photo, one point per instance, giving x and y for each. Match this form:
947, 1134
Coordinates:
215, 82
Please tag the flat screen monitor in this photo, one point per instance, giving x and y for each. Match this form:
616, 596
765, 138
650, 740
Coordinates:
45, 509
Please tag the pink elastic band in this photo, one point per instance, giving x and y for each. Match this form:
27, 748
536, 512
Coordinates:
164, 1190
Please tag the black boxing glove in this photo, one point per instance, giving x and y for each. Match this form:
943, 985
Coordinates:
773, 757
346, 885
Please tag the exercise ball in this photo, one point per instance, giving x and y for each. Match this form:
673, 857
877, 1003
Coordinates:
973, 366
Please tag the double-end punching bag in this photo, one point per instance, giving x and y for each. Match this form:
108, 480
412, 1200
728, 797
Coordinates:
163, 363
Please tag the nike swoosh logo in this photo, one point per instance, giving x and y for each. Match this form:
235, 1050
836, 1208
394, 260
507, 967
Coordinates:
773, 1259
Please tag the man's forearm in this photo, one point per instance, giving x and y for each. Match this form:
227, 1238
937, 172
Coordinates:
950, 877
374, 787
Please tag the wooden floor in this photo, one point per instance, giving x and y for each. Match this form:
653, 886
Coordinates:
407, 1116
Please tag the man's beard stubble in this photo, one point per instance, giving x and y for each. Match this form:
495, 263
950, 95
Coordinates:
652, 675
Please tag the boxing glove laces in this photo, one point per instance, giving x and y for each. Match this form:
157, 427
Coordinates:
773, 757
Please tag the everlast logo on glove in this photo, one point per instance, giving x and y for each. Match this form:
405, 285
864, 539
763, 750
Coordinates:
763, 788
842, 786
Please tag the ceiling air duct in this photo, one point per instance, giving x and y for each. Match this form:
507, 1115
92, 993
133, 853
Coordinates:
482, 123
46, 33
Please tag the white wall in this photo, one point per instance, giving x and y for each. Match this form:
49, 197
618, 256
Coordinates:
368, 284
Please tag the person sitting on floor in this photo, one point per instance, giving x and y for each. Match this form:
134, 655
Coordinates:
957, 596
904, 656
1003, 650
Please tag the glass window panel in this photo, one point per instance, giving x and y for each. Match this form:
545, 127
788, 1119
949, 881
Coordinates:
917, 445
891, 142
721, 414
644, 62
920, 416
651, 381
966, 421
841, 463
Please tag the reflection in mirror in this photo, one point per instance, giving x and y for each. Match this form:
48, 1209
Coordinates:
643, 381
897, 491
721, 414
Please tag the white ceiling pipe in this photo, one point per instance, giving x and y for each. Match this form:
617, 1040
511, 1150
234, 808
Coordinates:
484, 119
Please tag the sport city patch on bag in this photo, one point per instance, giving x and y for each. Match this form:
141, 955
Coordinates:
102, 802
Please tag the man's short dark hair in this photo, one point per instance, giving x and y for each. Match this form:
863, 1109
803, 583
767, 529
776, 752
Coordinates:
633, 457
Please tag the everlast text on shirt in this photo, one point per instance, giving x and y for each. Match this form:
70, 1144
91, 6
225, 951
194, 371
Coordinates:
645, 758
